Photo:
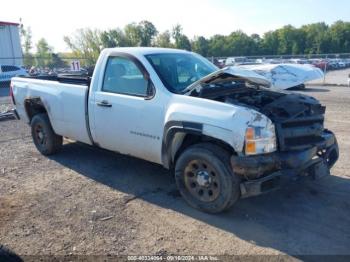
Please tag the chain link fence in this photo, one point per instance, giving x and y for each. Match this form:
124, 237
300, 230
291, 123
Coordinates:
336, 67
305, 56
54, 64
332, 61
41, 66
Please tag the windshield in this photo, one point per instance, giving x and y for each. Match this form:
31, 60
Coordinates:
179, 70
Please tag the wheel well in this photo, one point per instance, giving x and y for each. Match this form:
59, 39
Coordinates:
192, 139
33, 107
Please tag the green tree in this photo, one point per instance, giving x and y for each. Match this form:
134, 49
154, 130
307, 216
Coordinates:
217, 46
86, 44
309, 39
200, 45
315, 38
141, 34
257, 45
43, 54
181, 40
133, 34
289, 41
164, 40
113, 38
270, 43
26, 40
148, 33
239, 44
339, 36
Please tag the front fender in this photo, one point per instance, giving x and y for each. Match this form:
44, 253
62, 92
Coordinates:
220, 121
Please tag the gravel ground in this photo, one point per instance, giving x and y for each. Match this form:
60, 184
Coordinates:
91, 201
336, 77
5, 104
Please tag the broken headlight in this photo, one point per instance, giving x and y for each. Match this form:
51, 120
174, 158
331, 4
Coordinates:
260, 140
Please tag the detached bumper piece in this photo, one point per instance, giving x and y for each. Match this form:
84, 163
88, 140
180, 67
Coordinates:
11, 114
264, 173
14, 112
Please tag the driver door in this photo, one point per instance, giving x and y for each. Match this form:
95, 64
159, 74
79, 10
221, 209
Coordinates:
127, 118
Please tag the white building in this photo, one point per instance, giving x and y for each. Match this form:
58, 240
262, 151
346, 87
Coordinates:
10, 44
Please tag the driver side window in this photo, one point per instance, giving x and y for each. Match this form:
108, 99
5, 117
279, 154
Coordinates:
122, 76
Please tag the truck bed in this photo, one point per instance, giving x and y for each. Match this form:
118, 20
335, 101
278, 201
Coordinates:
63, 78
64, 98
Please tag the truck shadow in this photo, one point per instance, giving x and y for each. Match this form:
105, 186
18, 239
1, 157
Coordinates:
305, 218
8, 255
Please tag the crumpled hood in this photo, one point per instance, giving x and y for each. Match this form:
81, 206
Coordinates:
231, 74
284, 76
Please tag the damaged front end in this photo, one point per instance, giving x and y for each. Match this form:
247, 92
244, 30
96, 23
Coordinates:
304, 147
264, 173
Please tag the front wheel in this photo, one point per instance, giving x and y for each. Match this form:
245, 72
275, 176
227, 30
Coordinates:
44, 138
204, 179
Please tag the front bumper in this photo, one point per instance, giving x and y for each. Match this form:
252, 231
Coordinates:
264, 173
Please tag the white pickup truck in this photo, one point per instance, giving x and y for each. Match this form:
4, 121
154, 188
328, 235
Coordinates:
224, 133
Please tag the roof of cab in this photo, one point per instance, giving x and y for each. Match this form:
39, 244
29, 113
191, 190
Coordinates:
145, 50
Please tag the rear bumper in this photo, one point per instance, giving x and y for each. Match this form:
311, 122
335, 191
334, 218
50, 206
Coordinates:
264, 173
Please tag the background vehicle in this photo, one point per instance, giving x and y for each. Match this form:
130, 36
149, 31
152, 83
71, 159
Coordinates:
223, 134
235, 60
287, 76
9, 71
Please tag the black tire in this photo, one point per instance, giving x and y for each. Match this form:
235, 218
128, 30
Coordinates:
206, 167
44, 138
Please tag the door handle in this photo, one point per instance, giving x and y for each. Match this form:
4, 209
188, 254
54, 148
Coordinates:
104, 103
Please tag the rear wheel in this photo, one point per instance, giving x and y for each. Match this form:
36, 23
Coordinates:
44, 138
204, 178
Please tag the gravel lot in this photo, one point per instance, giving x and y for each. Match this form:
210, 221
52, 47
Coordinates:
336, 77
90, 201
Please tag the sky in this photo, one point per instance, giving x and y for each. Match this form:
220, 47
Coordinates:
55, 19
